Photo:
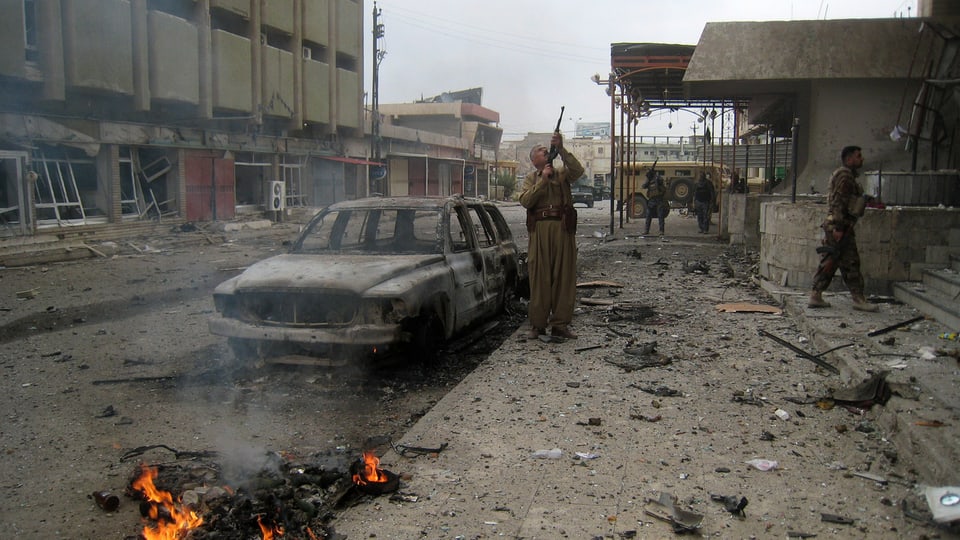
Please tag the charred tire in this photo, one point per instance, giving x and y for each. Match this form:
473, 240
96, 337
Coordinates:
681, 191
427, 340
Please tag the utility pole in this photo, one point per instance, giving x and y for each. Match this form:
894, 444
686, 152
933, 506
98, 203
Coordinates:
375, 92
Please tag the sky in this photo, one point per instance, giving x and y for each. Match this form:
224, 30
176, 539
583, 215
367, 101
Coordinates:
531, 58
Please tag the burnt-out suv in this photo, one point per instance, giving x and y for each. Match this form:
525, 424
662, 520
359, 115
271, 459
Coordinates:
372, 275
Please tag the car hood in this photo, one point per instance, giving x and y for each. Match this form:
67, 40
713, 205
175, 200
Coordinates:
355, 273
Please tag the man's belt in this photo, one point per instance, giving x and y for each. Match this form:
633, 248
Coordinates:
547, 213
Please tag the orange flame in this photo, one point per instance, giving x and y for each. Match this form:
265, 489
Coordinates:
371, 471
177, 519
269, 533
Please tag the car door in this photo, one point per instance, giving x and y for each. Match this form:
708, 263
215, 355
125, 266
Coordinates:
488, 243
466, 265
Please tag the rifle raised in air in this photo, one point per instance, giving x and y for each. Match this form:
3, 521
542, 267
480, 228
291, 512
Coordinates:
553, 149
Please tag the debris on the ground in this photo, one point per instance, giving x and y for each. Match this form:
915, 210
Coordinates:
873, 477
406, 449
586, 284
833, 518
763, 464
731, 503
699, 267
944, 502
640, 416
108, 502
662, 391
816, 359
873, 390
27, 294
665, 509
596, 301
895, 326
641, 349
739, 397
746, 307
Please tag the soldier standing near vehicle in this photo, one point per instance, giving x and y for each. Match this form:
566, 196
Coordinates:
704, 195
552, 253
656, 200
847, 203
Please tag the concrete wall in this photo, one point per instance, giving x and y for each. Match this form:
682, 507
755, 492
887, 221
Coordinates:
857, 112
894, 243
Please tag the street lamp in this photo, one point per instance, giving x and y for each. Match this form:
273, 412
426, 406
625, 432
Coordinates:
610, 83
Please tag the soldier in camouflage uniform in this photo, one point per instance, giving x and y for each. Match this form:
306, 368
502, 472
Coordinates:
657, 206
847, 202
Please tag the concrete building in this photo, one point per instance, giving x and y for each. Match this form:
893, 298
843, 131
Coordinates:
118, 112
443, 145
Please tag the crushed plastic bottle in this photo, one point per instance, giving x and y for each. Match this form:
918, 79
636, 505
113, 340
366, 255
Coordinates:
547, 454
763, 464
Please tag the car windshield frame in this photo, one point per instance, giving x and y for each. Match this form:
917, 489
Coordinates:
381, 230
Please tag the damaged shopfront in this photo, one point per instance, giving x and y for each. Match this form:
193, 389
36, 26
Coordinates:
58, 179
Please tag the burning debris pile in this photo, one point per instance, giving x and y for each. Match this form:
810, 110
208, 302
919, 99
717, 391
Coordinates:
285, 498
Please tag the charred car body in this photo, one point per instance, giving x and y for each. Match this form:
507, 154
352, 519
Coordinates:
373, 275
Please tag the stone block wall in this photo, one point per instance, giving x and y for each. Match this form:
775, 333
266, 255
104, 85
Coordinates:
892, 242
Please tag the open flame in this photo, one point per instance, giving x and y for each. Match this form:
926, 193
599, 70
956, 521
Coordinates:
170, 519
270, 532
371, 472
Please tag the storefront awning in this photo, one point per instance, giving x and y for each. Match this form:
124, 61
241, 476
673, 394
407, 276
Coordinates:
352, 161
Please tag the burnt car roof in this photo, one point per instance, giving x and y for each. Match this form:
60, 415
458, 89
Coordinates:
406, 202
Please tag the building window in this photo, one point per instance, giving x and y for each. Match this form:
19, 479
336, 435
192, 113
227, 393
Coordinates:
31, 52
66, 191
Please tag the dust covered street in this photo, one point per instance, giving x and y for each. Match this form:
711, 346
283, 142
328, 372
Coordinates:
108, 355
107, 363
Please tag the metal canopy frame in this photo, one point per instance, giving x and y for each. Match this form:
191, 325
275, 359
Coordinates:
650, 76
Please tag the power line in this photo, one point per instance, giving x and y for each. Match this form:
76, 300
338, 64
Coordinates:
505, 45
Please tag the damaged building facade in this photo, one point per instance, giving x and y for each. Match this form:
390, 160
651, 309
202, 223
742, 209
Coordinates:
125, 111
119, 114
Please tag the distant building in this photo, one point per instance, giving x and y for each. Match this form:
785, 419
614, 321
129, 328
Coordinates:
440, 146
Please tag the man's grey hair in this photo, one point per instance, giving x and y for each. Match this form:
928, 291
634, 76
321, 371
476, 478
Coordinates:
536, 148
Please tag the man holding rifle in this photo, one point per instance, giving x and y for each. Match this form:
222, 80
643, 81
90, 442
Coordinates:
552, 252
847, 203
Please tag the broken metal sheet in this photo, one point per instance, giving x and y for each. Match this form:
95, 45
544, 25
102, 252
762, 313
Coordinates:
865, 394
745, 307
666, 510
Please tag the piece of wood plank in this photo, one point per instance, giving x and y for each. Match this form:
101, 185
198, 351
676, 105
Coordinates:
596, 302
599, 284
746, 307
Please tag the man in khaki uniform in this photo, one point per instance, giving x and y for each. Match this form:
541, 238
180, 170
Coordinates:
552, 254
847, 202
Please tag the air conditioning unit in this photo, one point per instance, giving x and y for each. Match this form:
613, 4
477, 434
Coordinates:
278, 196
307, 53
